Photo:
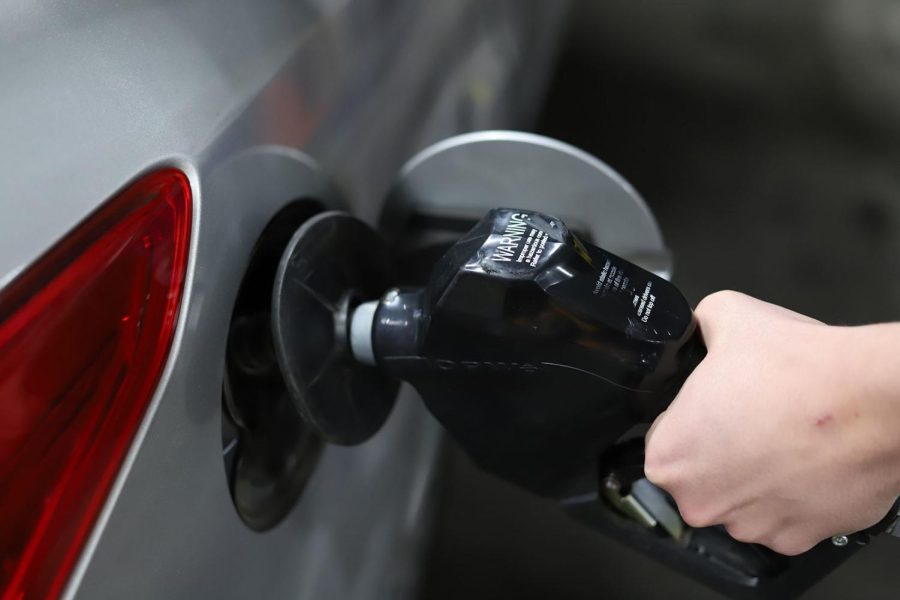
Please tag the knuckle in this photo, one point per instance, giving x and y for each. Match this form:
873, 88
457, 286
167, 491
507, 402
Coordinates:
788, 545
742, 533
696, 516
789, 549
656, 472
659, 470
719, 302
718, 313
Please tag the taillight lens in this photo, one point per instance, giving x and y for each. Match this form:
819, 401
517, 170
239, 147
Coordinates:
84, 336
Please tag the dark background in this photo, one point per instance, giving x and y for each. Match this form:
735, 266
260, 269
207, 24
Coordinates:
764, 138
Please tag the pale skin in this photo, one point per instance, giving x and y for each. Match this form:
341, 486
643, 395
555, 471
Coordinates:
788, 432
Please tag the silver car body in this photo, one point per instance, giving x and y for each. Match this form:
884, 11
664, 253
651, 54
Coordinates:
259, 103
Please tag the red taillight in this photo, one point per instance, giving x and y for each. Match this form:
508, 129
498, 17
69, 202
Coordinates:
84, 335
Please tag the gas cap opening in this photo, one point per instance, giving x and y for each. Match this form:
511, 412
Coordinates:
268, 450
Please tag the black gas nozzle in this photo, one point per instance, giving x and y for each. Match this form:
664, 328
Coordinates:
539, 354
535, 350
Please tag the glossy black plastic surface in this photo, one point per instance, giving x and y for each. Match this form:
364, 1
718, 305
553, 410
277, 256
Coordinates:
537, 351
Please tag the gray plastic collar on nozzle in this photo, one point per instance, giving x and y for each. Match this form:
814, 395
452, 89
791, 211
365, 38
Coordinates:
361, 324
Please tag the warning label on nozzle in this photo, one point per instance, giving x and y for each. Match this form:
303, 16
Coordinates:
534, 247
645, 303
520, 242
613, 279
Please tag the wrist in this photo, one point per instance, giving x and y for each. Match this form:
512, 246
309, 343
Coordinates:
869, 370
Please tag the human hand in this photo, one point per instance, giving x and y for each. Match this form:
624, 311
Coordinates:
788, 432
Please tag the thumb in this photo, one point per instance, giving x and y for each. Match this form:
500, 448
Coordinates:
717, 313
